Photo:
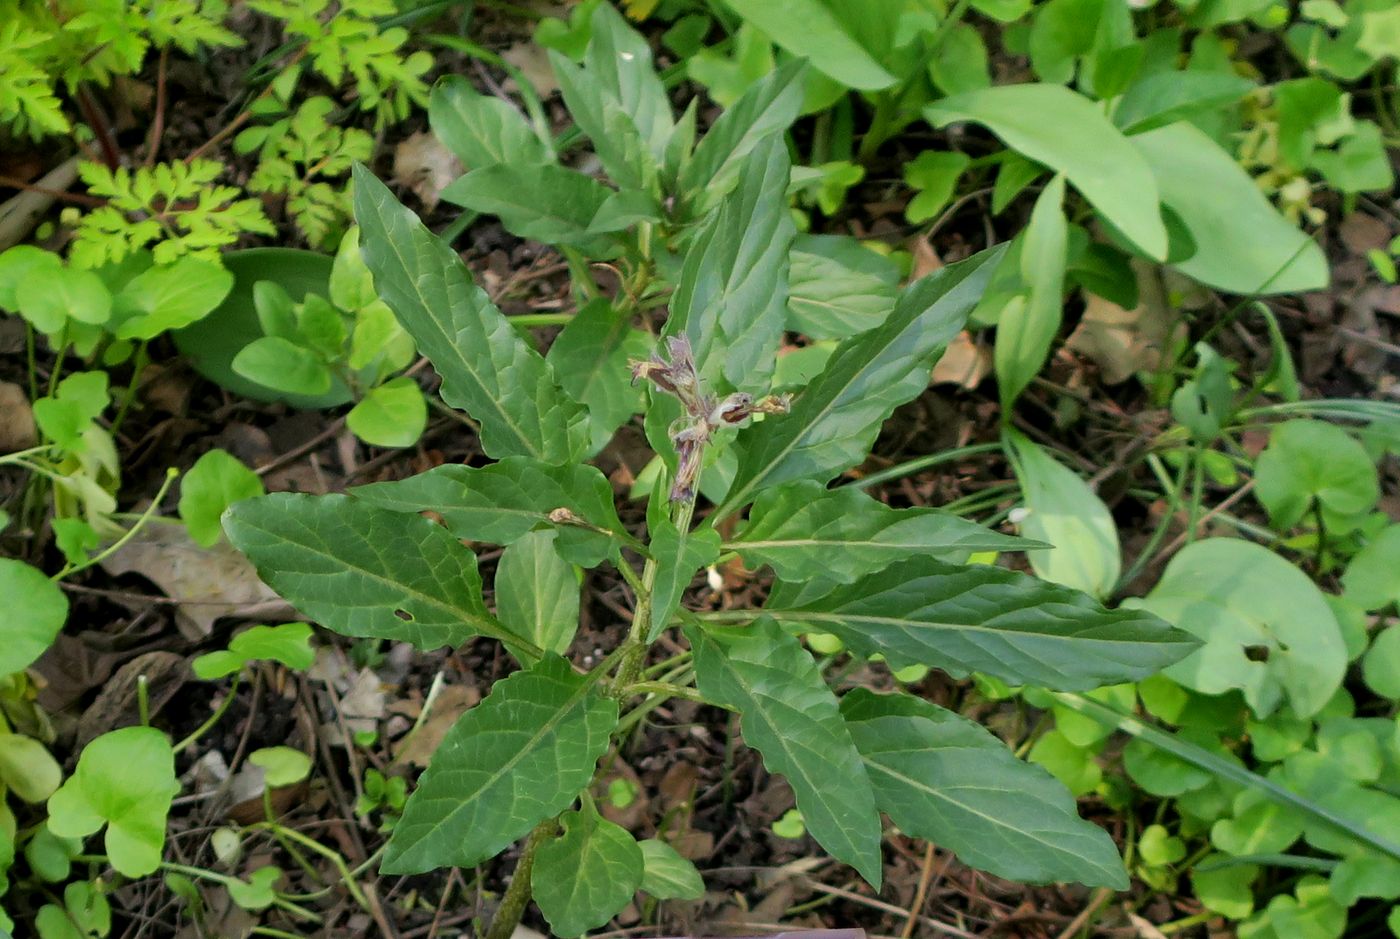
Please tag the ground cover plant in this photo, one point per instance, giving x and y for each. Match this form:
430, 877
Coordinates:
932, 472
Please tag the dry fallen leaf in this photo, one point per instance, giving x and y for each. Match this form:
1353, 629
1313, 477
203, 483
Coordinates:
965, 363
533, 62
451, 703
1123, 342
17, 431
425, 166
209, 582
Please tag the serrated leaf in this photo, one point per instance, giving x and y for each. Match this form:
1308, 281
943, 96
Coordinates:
587, 874
768, 108
944, 778
1067, 132
481, 130
488, 370
519, 757
805, 531
837, 287
499, 503
537, 592
731, 299
365, 571
539, 201
790, 716
590, 357
668, 876
987, 619
834, 421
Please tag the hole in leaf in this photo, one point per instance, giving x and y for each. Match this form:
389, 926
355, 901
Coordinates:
404, 615
1257, 653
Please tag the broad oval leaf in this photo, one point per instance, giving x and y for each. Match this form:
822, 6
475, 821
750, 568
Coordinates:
946, 779
987, 619
585, 876
1265, 626
519, 757
810, 29
805, 531
1064, 512
834, 421
790, 716
480, 129
1243, 245
365, 571
668, 876
35, 610
539, 201
537, 592
500, 502
731, 299
487, 369
837, 287
1068, 133
1309, 462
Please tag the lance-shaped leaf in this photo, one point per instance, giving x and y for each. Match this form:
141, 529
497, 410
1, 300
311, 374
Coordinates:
585, 876
500, 502
539, 201
365, 571
731, 299
487, 369
765, 110
616, 140
835, 420
619, 60
537, 593
806, 531
789, 715
1029, 323
481, 129
944, 778
838, 287
987, 619
519, 757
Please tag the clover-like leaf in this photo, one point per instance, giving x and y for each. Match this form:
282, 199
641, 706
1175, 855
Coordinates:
216, 481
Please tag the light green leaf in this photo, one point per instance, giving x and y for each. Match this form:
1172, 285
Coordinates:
281, 766
1381, 666
790, 716
1074, 766
1243, 245
837, 287
488, 370
289, 644
499, 503
1068, 133
125, 779
668, 876
48, 298
481, 130
832, 425
1311, 913
822, 38
257, 892
616, 140
1372, 579
1310, 460
351, 286
987, 619
537, 592
519, 757
942, 777
678, 555
765, 110
1163, 98
1026, 329
731, 298
391, 415
1266, 628
590, 357
170, 296
1064, 512
587, 874
216, 481
539, 201
1360, 163
619, 60
806, 531
27, 768
24, 263
365, 571
282, 365
961, 62
935, 175
1227, 890
35, 610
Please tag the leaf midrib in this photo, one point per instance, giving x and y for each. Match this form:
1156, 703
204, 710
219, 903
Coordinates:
938, 625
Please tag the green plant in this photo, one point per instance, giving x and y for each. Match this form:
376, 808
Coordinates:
883, 580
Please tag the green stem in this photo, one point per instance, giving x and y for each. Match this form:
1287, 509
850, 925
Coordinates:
540, 319
664, 688
70, 569
911, 467
512, 906
311, 844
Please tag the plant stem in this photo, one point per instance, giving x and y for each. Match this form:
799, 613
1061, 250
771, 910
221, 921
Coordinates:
512, 906
130, 533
